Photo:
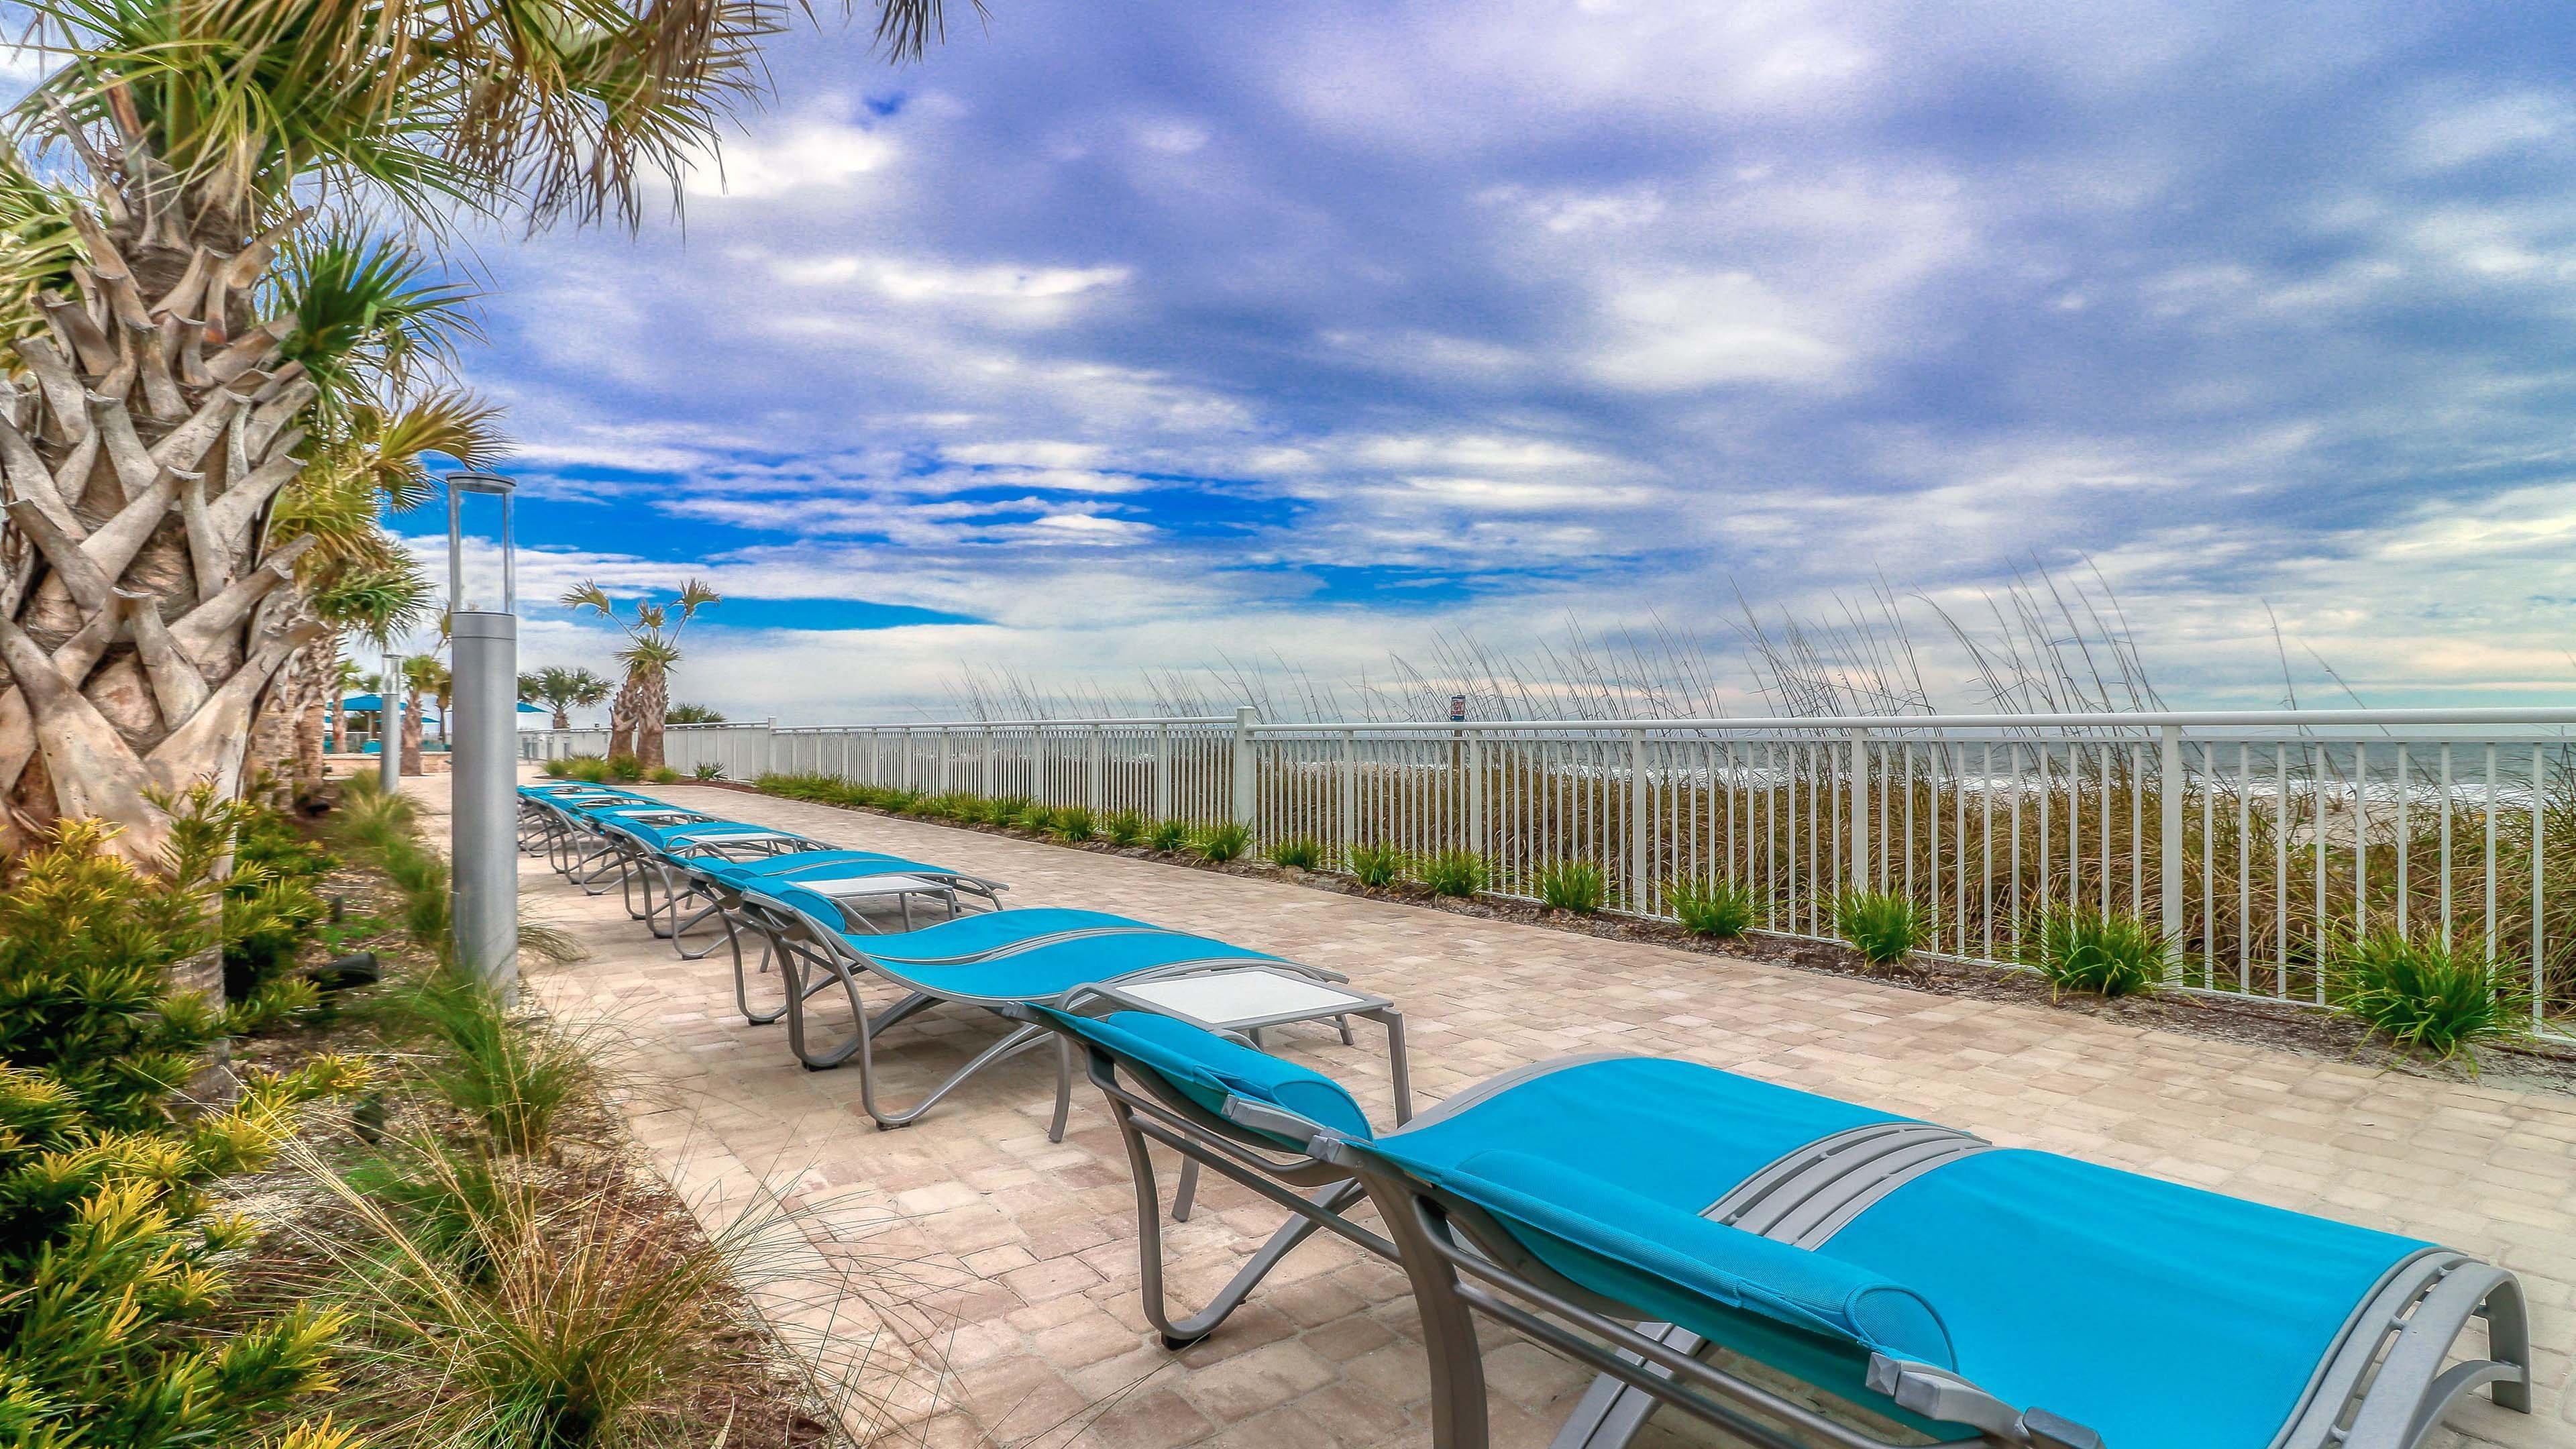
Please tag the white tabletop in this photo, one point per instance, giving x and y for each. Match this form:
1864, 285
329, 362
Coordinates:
1257, 993
838, 886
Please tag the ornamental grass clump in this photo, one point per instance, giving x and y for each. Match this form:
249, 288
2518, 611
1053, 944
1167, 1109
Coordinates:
1220, 842
1574, 885
1167, 837
1298, 852
1122, 828
1376, 866
1454, 873
1720, 910
1885, 928
1073, 825
2079, 950
2431, 997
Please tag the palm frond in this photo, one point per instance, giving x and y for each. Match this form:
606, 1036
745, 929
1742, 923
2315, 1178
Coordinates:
367, 311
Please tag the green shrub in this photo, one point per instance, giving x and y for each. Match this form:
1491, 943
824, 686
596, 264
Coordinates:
1007, 810
1454, 873
117, 1326
1298, 852
899, 802
556, 769
2079, 950
1221, 841
1122, 828
663, 775
1376, 865
1885, 928
590, 769
1167, 836
625, 769
1073, 824
1574, 885
706, 772
1721, 909
2428, 996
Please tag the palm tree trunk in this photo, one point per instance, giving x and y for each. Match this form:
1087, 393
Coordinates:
652, 702
313, 676
411, 764
563, 718
142, 615
621, 721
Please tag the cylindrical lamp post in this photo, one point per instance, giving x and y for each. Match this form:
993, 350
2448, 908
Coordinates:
483, 845
389, 724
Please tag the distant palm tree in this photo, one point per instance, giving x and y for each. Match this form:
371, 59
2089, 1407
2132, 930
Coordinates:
423, 674
686, 714
652, 647
562, 690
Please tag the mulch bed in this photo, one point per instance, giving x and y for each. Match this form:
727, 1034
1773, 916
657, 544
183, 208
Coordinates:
2247, 1020
748, 1390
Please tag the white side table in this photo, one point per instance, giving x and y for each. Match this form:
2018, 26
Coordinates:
1240, 1001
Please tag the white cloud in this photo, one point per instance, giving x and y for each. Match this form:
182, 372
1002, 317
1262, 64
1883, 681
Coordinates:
791, 158
1703, 331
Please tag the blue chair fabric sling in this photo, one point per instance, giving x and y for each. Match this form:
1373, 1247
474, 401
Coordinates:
1637, 1213
1003, 962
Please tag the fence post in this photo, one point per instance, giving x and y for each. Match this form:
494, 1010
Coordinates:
1638, 869
984, 775
1093, 785
906, 738
768, 751
1860, 880
1247, 777
1476, 791
1162, 772
2169, 855
1350, 812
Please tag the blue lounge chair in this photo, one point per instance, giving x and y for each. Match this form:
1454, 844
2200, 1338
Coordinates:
996, 961
718, 881
1641, 1215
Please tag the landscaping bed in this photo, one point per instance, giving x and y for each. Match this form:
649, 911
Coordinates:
440, 1234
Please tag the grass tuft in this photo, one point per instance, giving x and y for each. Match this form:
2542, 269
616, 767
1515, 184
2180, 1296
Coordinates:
2430, 997
1454, 873
1298, 852
1721, 909
1573, 885
1073, 825
1122, 828
1376, 865
1169, 837
1885, 928
1221, 841
2078, 950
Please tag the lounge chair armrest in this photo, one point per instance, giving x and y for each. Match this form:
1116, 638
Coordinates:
1937, 1393
1261, 1117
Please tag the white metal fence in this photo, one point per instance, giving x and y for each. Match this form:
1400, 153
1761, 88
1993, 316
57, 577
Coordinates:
2254, 840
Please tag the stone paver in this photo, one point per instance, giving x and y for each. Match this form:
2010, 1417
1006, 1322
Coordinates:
978, 1283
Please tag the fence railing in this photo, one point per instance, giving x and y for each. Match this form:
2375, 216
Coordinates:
2254, 840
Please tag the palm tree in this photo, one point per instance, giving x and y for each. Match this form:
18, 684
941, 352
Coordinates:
652, 647
561, 690
688, 714
197, 321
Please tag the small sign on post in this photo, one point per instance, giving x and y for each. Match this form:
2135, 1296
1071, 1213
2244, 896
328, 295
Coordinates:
1457, 707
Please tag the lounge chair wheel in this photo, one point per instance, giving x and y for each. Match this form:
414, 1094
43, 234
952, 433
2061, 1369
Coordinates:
1176, 1343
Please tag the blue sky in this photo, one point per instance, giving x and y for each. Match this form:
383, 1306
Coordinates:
1120, 340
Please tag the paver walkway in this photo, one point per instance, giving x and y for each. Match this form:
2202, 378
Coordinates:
983, 1281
